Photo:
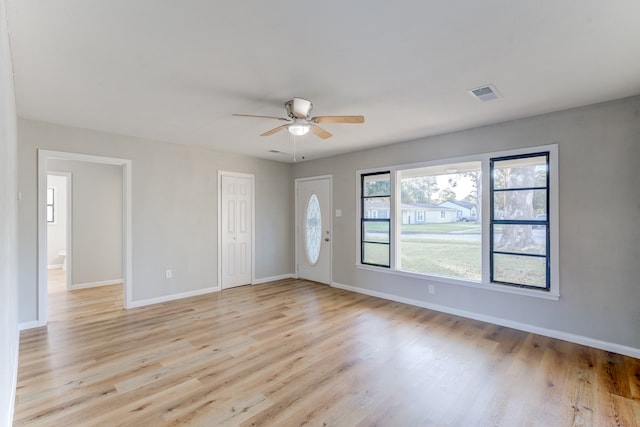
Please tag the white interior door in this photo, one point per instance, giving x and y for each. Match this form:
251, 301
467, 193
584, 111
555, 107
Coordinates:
236, 230
313, 218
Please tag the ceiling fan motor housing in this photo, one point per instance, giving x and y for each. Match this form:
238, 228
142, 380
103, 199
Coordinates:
298, 108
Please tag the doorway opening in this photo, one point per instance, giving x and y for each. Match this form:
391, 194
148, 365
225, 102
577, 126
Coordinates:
58, 212
118, 255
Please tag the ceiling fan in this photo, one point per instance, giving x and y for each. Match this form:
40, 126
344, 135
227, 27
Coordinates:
299, 122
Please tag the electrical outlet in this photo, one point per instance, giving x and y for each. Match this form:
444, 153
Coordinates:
169, 274
432, 289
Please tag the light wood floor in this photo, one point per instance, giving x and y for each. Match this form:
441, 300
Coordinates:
295, 353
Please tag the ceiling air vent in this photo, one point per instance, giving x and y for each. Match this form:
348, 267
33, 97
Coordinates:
485, 93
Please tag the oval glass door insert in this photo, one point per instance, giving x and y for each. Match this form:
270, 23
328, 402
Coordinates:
313, 229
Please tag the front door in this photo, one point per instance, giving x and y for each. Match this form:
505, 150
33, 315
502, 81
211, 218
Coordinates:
236, 229
313, 231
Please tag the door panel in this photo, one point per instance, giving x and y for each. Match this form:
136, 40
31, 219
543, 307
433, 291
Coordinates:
313, 244
237, 233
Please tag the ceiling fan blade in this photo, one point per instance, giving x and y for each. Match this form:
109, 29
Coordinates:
274, 130
318, 131
338, 119
260, 117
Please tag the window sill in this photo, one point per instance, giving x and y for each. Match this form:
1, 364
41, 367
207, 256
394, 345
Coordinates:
494, 287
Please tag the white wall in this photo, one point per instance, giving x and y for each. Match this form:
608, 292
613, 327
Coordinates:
599, 188
8, 226
174, 210
57, 231
96, 221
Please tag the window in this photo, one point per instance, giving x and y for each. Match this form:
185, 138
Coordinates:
313, 229
51, 213
443, 246
375, 242
519, 220
503, 239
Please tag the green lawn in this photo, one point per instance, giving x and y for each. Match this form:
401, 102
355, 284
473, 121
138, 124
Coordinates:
452, 227
460, 259
448, 258
439, 257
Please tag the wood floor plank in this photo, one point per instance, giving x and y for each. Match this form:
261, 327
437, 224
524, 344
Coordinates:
294, 352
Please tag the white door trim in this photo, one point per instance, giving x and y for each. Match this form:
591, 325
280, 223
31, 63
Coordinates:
252, 178
43, 157
297, 222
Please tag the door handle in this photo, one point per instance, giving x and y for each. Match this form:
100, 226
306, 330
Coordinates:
326, 239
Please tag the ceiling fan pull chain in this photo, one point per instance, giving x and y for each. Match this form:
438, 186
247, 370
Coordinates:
294, 147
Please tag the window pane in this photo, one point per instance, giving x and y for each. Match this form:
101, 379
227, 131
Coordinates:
375, 253
440, 232
376, 185
313, 229
50, 214
521, 270
50, 192
520, 204
522, 172
376, 231
520, 238
377, 207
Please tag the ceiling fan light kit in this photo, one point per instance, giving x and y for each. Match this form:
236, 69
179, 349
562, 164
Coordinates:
298, 130
300, 122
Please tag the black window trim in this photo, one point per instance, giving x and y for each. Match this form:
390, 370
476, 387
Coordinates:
364, 220
545, 223
51, 205
551, 293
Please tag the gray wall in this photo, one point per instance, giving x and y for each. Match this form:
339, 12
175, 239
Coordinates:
8, 222
599, 188
96, 221
174, 209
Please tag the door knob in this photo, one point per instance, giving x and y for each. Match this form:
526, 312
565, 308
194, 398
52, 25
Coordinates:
326, 239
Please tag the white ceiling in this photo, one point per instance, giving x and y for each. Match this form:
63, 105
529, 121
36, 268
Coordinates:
176, 70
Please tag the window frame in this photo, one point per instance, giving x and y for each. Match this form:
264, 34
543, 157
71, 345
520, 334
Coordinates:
51, 207
493, 221
551, 293
370, 219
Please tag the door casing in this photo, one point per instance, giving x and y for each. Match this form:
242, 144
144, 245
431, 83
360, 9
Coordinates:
126, 164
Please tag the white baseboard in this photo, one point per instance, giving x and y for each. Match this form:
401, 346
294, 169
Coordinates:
157, 300
95, 284
29, 325
272, 279
552, 333
54, 266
